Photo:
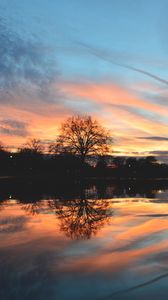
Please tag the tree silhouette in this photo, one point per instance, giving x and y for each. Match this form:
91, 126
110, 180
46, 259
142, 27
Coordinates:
101, 162
119, 161
151, 160
33, 146
1, 146
4, 160
82, 136
30, 156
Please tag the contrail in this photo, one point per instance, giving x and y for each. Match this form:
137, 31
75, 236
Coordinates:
102, 55
137, 286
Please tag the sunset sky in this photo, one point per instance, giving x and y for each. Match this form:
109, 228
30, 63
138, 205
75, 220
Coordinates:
105, 58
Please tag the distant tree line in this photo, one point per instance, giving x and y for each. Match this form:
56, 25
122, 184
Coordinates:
82, 148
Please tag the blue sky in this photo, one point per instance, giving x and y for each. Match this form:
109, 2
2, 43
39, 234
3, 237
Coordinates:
131, 31
73, 46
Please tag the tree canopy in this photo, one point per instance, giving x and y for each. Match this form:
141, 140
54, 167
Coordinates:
82, 136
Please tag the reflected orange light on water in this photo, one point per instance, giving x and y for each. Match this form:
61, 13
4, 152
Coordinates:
87, 237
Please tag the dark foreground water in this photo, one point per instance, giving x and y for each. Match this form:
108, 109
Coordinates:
92, 242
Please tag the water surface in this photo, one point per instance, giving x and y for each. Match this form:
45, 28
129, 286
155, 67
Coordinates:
98, 242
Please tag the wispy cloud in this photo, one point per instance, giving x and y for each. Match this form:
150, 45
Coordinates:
117, 101
14, 128
154, 138
29, 98
23, 63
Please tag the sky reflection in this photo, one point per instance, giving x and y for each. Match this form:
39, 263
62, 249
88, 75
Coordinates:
123, 258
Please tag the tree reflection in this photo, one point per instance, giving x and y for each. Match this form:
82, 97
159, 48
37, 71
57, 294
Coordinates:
1, 205
82, 208
82, 218
33, 208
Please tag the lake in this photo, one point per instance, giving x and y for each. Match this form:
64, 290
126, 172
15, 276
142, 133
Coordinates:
90, 241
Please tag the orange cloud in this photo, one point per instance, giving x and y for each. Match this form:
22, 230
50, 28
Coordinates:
125, 114
110, 94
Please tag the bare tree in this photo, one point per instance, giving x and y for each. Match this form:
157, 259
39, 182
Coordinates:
1, 146
3, 151
82, 136
33, 146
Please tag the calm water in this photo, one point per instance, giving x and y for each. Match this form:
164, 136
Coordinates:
91, 242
